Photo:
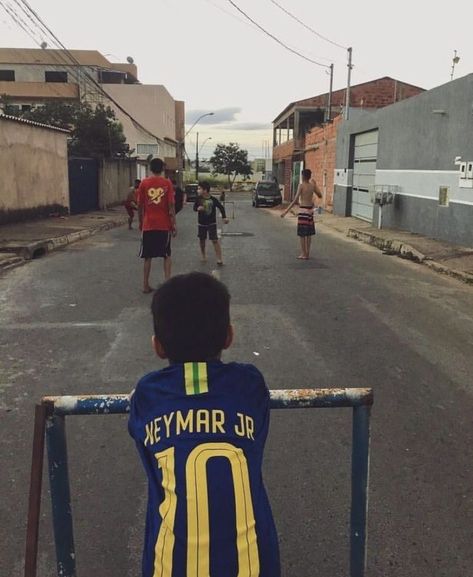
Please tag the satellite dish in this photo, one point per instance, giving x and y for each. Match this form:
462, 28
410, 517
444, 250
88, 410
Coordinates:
44, 45
129, 59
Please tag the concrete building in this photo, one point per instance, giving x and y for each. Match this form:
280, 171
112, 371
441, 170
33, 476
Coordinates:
153, 121
304, 138
417, 157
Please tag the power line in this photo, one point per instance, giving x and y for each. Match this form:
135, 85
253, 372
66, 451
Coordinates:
85, 73
275, 38
306, 26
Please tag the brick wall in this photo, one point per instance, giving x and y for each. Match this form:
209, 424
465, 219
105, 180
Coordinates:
320, 158
374, 94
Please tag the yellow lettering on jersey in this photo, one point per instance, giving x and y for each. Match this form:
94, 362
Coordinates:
218, 421
202, 424
149, 433
167, 510
198, 526
167, 423
245, 427
240, 427
250, 427
184, 424
157, 429
155, 195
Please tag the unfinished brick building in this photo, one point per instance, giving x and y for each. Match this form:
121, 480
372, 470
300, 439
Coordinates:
304, 138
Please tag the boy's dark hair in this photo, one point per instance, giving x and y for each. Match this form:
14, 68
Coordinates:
191, 315
306, 173
137, 182
205, 185
156, 165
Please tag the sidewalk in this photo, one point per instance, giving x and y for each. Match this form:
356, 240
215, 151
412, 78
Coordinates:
24, 241
447, 258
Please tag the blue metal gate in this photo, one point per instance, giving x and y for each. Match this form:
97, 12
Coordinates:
50, 422
83, 185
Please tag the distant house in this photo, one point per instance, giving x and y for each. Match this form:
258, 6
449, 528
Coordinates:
153, 121
304, 137
417, 154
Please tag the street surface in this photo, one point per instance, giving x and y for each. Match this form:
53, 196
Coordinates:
76, 322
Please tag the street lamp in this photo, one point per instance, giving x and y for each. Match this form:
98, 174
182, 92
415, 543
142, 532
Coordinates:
200, 118
197, 144
197, 150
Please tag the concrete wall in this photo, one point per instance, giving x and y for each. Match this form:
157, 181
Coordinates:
419, 139
33, 171
153, 107
115, 179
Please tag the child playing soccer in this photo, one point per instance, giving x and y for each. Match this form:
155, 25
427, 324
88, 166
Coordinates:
130, 202
206, 207
200, 426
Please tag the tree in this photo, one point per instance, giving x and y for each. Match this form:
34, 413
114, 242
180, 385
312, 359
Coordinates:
98, 133
94, 131
231, 160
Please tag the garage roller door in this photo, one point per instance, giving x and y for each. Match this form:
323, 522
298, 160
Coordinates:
364, 172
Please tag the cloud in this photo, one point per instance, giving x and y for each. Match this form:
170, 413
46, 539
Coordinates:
246, 126
219, 116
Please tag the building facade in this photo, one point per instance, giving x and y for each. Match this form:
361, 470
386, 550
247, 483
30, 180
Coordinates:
153, 121
415, 155
304, 133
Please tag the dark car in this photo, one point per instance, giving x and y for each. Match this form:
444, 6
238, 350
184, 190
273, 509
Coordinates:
191, 191
267, 193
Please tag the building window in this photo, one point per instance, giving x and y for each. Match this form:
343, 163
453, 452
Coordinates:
25, 107
147, 149
7, 75
109, 77
55, 76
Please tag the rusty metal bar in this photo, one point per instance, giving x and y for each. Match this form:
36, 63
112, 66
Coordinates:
360, 399
60, 495
359, 490
34, 501
280, 399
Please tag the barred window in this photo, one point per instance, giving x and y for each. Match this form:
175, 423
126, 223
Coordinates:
147, 149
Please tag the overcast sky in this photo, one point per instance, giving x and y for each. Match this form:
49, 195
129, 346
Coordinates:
206, 53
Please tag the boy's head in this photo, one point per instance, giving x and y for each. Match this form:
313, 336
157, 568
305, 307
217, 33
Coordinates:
156, 166
191, 314
306, 174
137, 182
204, 188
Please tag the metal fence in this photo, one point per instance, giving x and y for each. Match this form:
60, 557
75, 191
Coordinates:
50, 420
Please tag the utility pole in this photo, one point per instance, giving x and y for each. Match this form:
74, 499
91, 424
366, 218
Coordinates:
350, 66
197, 159
455, 60
329, 104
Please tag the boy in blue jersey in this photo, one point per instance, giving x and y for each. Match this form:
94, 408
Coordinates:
200, 427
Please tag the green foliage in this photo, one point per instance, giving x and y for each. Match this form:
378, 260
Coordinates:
94, 131
98, 133
231, 160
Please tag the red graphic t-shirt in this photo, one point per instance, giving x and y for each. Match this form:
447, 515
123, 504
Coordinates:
155, 194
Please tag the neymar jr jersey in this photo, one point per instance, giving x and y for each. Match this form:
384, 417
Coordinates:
200, 429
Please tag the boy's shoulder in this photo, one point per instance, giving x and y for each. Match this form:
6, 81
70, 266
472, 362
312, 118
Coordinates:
171, 379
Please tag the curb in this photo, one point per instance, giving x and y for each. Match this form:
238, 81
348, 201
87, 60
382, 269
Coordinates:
390, 246
24, 253
404, 250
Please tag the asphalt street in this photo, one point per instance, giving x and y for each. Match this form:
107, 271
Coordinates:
76, 322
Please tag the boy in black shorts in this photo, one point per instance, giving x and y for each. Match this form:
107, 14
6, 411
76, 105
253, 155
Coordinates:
206, 207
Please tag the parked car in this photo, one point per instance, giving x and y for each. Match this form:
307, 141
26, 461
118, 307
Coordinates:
267, 193
191, 191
